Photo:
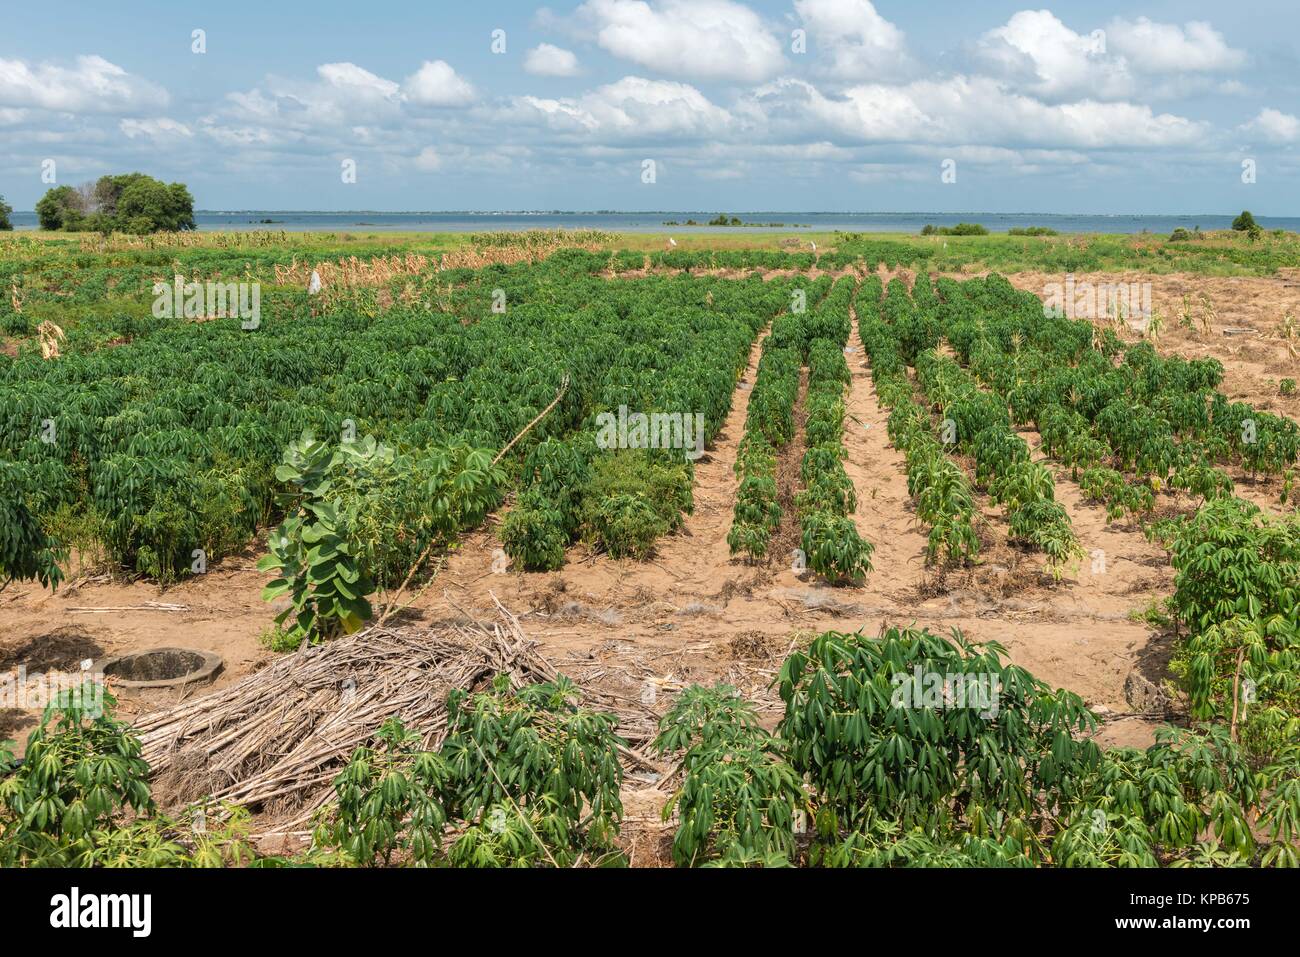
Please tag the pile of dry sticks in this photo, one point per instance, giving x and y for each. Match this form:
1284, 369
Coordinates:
276, 740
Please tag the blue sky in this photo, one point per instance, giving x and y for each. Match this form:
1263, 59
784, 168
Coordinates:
1077, 107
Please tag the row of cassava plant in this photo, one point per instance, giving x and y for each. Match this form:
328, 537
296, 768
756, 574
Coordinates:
830, 541
623, 495
904, 748
167, 443
770, 427
1160, 417
976, 422
940, 488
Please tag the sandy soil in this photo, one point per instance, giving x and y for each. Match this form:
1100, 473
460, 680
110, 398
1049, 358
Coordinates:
693, 613
1245, 314
93, 618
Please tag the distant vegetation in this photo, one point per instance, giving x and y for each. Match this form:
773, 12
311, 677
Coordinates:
1032, 231
722, 219
1245, 223
1216, 253
5, 210
128, 203
961, 229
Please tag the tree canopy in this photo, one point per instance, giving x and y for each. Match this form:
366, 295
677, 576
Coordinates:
126, 203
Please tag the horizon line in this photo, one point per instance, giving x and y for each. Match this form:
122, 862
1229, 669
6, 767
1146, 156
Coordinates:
665, 212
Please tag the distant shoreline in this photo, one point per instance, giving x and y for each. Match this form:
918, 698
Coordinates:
654, 221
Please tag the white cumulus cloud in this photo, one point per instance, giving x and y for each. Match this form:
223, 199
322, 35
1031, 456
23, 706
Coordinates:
701, 39
971, 111
1151, 47
437, 84
1039, 54
92, 85
631, 106
1275, 126
860, 42
547, 60
159, 129
428, 160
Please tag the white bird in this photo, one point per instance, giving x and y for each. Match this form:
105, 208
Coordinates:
814, 245
313, 285
671, 241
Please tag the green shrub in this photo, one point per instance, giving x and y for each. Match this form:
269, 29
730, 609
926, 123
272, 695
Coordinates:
527, 778
635, 498
627, 526
533, 533
539, 752
1244, 222
1232, 560
389, 802
873, 741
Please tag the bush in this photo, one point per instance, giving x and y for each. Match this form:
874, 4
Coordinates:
82, 774
5, 210
534, 535
81, 768
27, 552
834, 549
536, 758
527, 777
1232, 560
633, 499
627, 525
1244, 222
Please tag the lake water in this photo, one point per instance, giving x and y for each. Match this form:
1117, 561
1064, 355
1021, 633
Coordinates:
653, 222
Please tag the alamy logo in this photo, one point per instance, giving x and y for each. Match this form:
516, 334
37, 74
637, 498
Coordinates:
209, 300
82, 690
1097, 300
73, 910
942, 691
658, 430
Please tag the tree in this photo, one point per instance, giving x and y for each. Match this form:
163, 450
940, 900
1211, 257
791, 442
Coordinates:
1245, 222
60, 208
128, 202
5, 210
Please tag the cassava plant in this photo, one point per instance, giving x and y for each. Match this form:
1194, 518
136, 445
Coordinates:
316, 565
927, 731
740, 802
534, 756
81, 771
388, 803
